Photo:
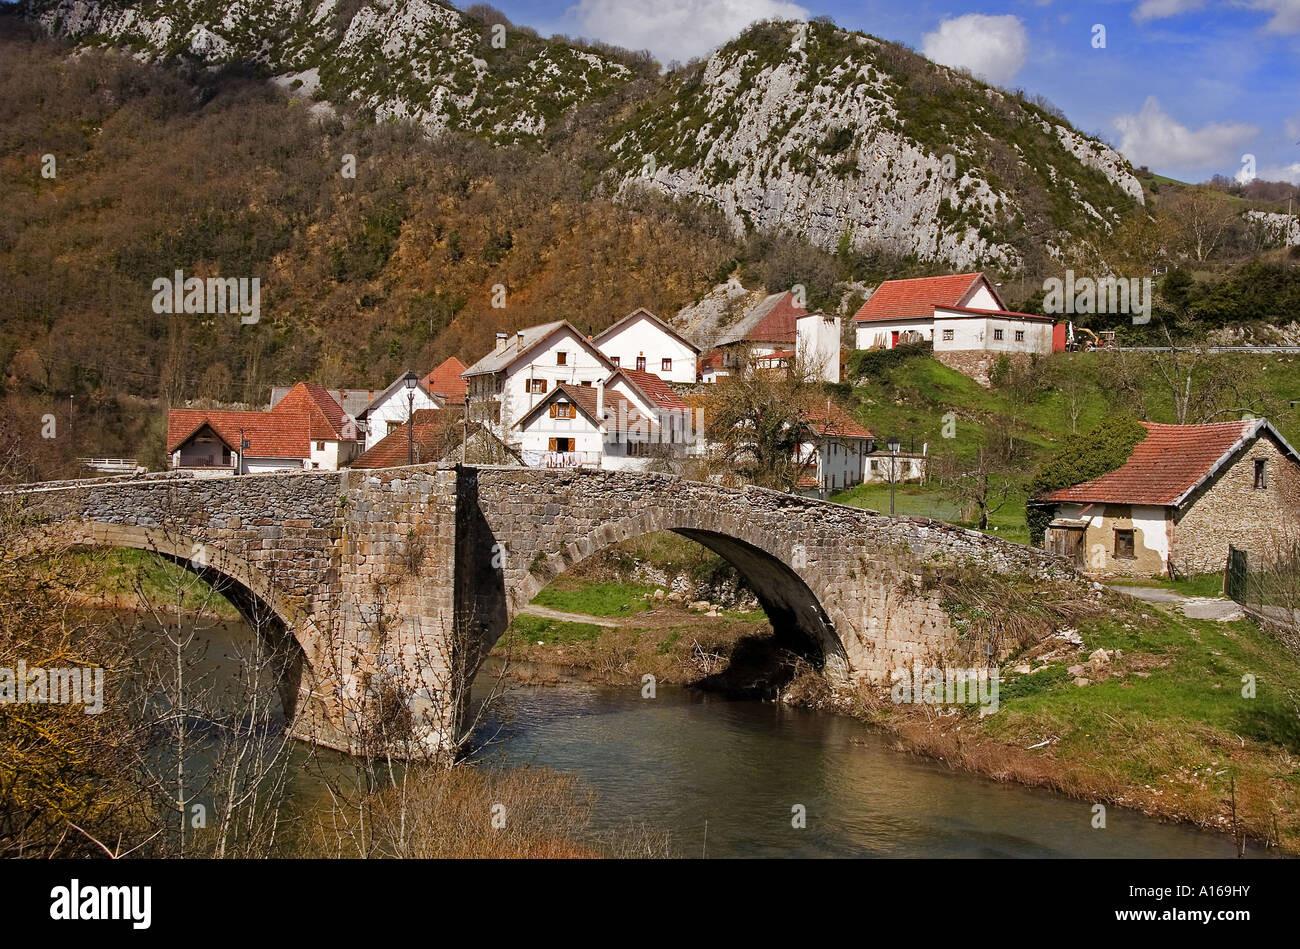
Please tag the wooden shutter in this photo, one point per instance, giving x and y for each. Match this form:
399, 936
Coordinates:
551, 445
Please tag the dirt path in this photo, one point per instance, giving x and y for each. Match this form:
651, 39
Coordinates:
547, 613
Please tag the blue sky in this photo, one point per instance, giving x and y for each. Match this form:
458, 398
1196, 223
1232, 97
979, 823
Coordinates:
1185, 86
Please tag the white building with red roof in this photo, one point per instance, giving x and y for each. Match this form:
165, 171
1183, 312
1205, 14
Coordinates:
778, 333
1185, 494
307, 429
961, 314
837, 456
641, 341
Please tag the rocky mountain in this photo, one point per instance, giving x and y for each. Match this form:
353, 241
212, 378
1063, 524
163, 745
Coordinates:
850, 141
845, 140
414, 59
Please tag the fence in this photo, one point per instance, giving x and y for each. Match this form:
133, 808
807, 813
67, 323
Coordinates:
1267, 588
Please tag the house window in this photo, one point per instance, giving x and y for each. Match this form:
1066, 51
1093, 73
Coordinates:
561, 444
561, 358
614, 360
320, 446
587, 383
537, 386
665, 365
562, 410
1124, 544
393, 426
640, 363
997, 334
315, 464
1261, 481
1020, 336
947, 336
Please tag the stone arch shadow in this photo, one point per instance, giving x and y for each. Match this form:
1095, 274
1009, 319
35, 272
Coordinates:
283, 628
794, 605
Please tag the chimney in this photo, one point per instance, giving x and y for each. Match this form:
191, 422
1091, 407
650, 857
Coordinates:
501, 342
519, 339
600, 400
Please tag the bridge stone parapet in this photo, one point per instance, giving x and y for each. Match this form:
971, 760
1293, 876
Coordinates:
388, 587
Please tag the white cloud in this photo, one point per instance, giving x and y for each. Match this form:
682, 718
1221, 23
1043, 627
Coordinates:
1286, 14
992, 47
1292, 128
1289, 173
676, 29
1153, 137
1160, 9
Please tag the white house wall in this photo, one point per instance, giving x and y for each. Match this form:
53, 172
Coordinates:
977, 333
817, 345
880, 333
393, 409
642, 337
581, 365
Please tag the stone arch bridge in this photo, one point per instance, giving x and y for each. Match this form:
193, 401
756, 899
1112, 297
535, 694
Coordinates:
396, 583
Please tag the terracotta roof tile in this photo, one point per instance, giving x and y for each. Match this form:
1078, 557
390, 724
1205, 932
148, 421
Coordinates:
904, 299
270, 434
446, 380
436, 431
655, 389
834, 421
325, 416
1167, 464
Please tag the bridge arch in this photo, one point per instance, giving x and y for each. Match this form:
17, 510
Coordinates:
802, 606
264, 608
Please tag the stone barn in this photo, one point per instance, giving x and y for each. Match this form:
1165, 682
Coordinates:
1185, 494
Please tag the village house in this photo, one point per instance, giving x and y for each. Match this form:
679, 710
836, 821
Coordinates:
1183, 496
392, 407
961, 314
438, 436
306, 429
446, 381
777, 333
641, 341
589, 426
836, 458
521, 371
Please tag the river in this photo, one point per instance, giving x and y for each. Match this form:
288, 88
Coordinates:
723, 776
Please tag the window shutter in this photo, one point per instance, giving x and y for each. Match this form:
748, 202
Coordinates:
551, 444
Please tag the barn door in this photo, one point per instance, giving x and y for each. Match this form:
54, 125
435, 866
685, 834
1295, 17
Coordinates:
1068, 542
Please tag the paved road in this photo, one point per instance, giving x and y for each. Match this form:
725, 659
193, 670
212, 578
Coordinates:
1193, 607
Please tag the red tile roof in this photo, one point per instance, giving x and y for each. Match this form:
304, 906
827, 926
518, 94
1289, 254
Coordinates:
660, 393
779, 324
446, 380
1167, 464
908, 299
436, 432
834, 421
269, 434
325, 416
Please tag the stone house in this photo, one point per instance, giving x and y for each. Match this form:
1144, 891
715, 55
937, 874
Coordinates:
961, 314
1185, 494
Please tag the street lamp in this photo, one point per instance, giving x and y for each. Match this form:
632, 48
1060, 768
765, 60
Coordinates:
411, 380
893, 453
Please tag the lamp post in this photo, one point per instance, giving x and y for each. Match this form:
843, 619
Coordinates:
893, 459
411, 380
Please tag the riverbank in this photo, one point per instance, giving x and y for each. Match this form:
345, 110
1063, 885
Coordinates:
1161, 719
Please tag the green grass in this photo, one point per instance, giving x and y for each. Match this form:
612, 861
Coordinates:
132, 574
928, 501
1203, 584
597, 599
530, 630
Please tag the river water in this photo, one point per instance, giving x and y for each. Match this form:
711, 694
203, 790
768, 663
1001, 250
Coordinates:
684, 760
722, 778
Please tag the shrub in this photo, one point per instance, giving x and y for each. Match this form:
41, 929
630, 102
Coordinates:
1083, 458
